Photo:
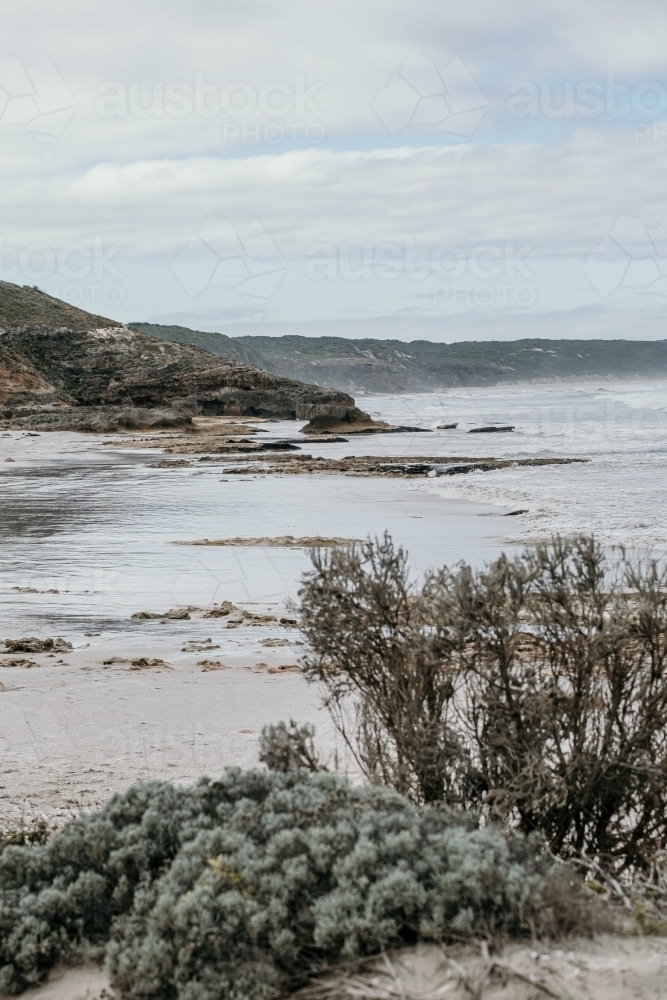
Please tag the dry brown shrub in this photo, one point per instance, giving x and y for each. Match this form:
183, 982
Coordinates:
533, 693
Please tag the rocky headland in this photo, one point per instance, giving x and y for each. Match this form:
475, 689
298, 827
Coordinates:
65, 369
370, 365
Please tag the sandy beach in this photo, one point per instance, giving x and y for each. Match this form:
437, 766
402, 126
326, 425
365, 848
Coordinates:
75, 732
88, 555
88, 539
607, 968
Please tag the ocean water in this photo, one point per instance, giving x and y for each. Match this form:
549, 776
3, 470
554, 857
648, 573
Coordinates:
97, 523
620, 493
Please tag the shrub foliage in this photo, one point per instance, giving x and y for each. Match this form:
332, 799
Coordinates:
237, 888
533, 693
490, 710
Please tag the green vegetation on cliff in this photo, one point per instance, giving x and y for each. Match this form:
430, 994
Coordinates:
21, 306
395, 366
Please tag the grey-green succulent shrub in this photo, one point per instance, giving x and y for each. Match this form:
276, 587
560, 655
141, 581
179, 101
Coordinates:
236, 889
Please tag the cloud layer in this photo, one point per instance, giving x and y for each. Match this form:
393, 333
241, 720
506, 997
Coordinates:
245, 111
562, 198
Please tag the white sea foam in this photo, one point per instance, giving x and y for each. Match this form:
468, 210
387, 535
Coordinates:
621, 430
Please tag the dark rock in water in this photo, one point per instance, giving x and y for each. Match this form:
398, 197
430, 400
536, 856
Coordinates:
357, 422
171, 463
279, 446
63, 368
490, 430
175, 614
409, 468
461, 470
514, 513
329, 439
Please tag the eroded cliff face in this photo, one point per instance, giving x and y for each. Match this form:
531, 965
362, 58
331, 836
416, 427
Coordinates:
21, 384
54, 363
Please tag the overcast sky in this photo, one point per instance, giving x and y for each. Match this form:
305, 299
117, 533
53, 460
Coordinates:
428, 169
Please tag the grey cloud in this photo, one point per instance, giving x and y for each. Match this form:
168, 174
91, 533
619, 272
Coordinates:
561, 199
146, 182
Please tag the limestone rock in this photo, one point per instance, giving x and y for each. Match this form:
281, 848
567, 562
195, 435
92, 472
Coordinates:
176, 614
207, 665
141, 662
33, 645
224, 609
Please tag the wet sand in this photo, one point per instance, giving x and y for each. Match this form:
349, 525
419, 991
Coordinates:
87, 542
74, 732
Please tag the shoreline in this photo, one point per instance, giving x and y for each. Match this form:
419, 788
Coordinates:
104, 522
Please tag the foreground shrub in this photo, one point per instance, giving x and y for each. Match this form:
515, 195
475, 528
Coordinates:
288, 747
533, 693
238, 888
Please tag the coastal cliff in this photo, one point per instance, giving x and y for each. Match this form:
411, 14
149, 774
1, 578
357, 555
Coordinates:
392, 366
63, 368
